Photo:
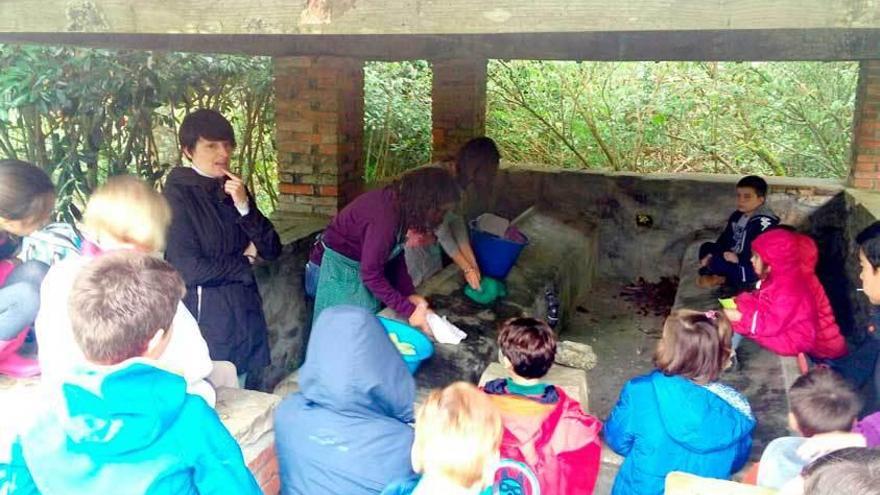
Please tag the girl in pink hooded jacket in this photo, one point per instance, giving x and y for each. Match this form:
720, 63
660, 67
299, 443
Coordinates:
781, 314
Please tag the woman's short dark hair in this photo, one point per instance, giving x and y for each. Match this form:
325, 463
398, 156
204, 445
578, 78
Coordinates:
422, 192
206, 124
695, 345
852, 470
26, 192
529, 345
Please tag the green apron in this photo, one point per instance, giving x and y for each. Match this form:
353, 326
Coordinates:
339, 282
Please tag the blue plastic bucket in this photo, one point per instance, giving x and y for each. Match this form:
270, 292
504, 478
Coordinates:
495, 255
413, 345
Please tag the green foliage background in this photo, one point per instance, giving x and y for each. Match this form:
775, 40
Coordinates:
85, 114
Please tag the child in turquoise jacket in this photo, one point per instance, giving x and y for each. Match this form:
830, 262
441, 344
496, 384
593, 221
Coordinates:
126, 426
679, 417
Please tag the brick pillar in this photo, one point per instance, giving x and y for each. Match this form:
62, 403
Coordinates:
458, 104
319, 120
866, 128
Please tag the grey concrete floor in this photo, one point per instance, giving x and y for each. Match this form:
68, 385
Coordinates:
624, 342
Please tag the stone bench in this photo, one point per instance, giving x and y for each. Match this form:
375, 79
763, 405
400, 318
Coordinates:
678, 483
248, 415
561, 257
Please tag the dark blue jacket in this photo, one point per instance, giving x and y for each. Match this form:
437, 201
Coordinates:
347, 430
762, 219
668, 423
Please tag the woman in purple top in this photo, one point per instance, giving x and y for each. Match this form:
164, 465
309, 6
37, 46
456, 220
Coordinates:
361, 252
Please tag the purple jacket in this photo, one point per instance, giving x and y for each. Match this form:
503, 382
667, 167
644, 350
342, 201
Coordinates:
367, 231
869, 427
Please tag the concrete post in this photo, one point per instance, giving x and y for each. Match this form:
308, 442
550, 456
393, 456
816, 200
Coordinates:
458, 104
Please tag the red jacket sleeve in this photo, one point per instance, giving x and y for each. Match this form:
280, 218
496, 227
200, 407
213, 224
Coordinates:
782, 321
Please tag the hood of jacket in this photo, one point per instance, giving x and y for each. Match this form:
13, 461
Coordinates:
809, 253
779, 249
121, 409
353, 367
684, 407
763, 211
188, 177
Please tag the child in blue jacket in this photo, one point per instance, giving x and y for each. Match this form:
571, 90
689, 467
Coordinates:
678, 417
126, 426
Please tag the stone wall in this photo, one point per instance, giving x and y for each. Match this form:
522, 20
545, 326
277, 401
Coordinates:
288, 312
677, 209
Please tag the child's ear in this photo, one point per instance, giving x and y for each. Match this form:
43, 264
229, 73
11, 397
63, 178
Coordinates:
157, 344
793, 424
187, 153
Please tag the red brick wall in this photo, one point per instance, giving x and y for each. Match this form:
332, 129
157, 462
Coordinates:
458, 104
866, 128
319, 132
265, 470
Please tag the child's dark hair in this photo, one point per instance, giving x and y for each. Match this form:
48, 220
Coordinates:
422, 192
822, 402
477, 156
529, 345
26, 192
206, 124
852, 470
695, 345
755, 183
118, 303
869, 242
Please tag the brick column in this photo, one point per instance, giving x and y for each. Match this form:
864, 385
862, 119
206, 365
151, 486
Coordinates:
865, 172
458, 104
319, 120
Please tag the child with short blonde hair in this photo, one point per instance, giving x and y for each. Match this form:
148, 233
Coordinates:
126, 211
124, 214
456, 446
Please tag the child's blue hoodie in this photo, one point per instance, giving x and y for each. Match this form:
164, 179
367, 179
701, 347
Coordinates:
668, 423
130, 429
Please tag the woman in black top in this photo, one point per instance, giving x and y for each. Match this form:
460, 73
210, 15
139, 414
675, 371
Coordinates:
216, 234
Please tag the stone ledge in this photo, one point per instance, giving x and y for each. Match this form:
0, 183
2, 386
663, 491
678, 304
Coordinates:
247, 415
678, 483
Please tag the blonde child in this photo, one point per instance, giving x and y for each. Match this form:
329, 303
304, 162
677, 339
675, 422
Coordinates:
125, 214
456, 446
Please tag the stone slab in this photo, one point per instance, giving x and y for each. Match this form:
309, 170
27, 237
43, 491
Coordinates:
689, 295
289, 385
678, 483
247, 414
575, 355
571, 380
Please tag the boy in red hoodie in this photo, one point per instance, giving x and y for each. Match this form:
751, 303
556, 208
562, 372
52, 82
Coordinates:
543, 427
781, 314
